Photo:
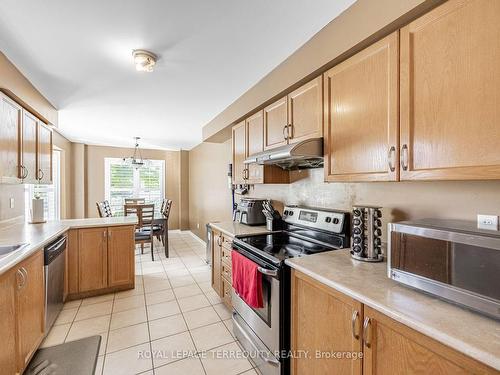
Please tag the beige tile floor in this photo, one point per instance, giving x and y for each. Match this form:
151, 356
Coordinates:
171, 323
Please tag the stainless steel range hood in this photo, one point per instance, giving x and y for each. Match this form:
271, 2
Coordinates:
301, 155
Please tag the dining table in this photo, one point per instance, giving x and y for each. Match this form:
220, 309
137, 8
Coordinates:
159, 219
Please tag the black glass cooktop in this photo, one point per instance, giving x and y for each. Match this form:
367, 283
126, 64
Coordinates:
282, 245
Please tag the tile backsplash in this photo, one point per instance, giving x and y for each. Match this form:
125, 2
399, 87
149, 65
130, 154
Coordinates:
400, 200
6, 193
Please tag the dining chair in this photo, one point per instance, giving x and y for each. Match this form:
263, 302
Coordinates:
104, 209
144, 230
165, 212
135, 200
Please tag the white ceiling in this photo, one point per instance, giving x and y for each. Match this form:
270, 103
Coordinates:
78, 54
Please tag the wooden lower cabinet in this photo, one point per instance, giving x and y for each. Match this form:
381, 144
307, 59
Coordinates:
121, 264
22, 312
30, 307
92, 259
393, 348
221, 266
322, 323
8, 354
100, 260
328, 321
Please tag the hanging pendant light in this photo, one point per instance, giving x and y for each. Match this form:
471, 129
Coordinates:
136, 160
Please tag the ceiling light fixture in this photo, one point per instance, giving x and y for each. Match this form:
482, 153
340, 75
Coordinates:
136, 160
144, 60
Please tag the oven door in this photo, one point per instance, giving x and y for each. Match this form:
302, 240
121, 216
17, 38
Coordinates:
263, 322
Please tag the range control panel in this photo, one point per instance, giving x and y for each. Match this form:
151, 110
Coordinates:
332, 221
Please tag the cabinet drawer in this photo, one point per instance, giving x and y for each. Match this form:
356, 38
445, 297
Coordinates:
226, 255
226, 292
226, 271
227, 242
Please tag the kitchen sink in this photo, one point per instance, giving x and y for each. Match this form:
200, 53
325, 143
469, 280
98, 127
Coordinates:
7, 249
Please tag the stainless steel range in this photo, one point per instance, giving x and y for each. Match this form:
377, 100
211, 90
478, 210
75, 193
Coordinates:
265, 332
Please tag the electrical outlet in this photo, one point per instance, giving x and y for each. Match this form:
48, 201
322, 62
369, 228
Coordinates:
197, 225
11, 202
487, 222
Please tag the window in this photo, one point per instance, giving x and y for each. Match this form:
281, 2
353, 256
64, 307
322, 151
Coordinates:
51, 194
124, 181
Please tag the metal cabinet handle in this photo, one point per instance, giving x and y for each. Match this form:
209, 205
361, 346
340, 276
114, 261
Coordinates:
366, 325
40, 172
404, 157
24, 172
219, 240
104, 233
23, 278
285, 136
354, 319
390, 158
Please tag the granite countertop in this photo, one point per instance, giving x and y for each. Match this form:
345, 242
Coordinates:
235, 229
468, 332
39, 235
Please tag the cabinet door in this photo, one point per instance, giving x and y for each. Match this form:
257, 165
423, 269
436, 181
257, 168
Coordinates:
324, 321
92, 259
28, 154
121, 257
10, 127
255, 143
305, 111
239, 153
72, 262
276, 124
450, 90
8, 354
216, 262
30, 306
44, 155
361, 115
393, 348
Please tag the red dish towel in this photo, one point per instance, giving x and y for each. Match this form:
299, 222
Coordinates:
247, 280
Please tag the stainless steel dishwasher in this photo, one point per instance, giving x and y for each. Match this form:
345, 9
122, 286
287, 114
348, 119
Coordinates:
54, 262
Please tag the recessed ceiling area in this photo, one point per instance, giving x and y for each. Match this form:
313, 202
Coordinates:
79, 55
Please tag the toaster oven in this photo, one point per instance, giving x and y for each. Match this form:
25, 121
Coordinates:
450, 259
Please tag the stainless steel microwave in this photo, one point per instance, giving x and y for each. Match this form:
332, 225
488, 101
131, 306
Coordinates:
450, 259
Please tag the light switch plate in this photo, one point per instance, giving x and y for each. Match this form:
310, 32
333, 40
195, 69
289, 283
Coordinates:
11, 202
487, 222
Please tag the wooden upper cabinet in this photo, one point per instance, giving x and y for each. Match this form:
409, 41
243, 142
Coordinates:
239, 153
44, 155
450, 91
92, 259
361, 115
393, 348
305, 111
327, 321
255, 144
30, 306
10, 128
121, 256
8, 354
29, 148
276, 124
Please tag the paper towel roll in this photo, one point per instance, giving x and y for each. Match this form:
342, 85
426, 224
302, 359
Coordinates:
37, 214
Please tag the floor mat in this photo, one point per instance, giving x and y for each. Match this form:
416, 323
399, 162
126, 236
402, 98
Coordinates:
75, 358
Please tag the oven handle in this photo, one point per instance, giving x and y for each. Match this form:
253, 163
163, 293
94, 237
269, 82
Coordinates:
265, 271
272, 361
